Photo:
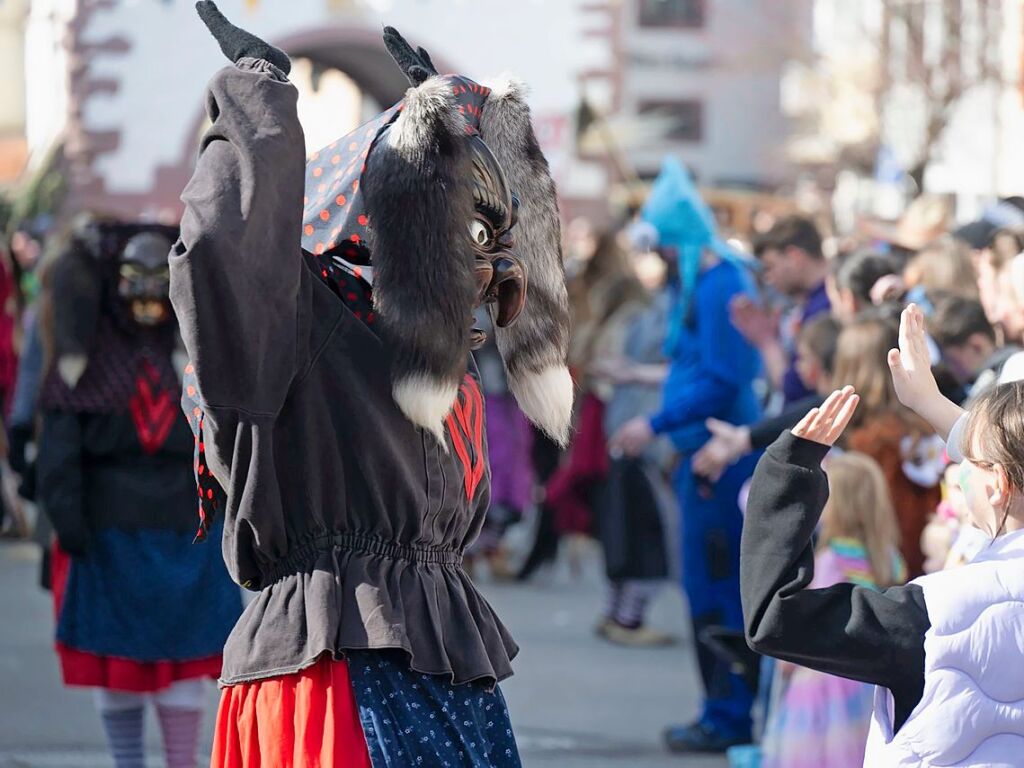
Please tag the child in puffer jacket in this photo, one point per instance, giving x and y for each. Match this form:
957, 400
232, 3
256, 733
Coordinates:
942, 651
817, 719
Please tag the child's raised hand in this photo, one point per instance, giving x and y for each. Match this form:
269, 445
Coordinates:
911, 364
825, 424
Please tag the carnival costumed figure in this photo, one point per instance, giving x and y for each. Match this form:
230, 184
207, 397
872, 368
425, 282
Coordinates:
141, 613
711, 374
327, 309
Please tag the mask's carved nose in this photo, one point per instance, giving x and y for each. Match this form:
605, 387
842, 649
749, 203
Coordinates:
484, 274
508, 289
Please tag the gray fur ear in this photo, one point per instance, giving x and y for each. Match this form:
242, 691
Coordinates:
419, 202
534, 348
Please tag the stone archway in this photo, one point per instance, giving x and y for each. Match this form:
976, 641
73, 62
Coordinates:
358, 52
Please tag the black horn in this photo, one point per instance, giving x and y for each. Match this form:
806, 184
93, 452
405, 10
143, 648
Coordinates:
416, 65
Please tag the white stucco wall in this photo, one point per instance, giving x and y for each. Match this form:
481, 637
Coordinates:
46, 74
172, 56
734, 67
12, 51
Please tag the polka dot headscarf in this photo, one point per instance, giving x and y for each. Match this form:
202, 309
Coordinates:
335, 219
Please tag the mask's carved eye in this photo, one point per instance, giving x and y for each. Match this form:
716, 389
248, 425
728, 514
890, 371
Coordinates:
483, 235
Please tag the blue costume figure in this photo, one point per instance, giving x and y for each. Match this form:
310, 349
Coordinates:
711, 375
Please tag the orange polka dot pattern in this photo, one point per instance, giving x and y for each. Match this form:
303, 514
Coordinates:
334, 218
334, 215
211, 496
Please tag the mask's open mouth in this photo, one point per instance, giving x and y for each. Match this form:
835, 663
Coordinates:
149, 311
500, 280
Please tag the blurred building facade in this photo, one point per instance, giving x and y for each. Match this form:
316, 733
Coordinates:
117, 84
700, 79
951, 107
13, 140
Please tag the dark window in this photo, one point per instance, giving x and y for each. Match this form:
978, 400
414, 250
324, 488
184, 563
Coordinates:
672, 13
687, 117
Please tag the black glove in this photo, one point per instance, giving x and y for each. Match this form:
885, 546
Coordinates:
74, 542
416, 65
27, 486
18, 439
237, 43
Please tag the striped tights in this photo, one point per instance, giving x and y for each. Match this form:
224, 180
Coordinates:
179, 710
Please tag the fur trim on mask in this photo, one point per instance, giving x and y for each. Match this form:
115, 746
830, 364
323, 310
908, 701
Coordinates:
419, 203
429, 111
534, 348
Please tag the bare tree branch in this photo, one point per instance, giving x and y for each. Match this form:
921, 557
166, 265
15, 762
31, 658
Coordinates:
941, 58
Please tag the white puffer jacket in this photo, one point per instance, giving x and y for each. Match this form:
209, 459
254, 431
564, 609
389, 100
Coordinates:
972, 710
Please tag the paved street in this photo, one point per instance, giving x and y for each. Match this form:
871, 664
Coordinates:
574, 700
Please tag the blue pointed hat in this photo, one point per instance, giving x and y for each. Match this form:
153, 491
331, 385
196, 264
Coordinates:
687, 225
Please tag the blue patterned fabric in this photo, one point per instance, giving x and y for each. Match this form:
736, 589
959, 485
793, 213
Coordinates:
412, 719
149, 595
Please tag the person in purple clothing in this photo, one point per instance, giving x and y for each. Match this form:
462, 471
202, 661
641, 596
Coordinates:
711, 374
793, 265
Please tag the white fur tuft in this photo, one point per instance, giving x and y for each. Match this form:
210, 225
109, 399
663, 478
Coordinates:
546, 399
425, 109
71, 367
426, 402
506, 85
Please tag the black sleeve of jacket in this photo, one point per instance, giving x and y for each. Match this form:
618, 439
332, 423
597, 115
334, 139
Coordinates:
844, 630
236, 270
59, 466
766, 431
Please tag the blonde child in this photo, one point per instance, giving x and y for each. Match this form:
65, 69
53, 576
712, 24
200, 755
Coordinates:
950, 540
819, 719
889, 433
944, 651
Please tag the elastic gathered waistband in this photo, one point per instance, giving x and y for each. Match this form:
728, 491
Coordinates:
362, 544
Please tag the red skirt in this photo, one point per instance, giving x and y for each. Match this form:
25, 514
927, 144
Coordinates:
117, 674
570, 488
305, 720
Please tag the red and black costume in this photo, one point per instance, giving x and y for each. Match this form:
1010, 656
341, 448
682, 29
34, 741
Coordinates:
327, 310
138, 607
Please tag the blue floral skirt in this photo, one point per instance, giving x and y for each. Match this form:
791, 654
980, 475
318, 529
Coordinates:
411, 719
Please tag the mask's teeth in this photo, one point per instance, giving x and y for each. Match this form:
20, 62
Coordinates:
477, 338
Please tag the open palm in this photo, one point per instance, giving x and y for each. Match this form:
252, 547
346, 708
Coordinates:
911, 364
825, 424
